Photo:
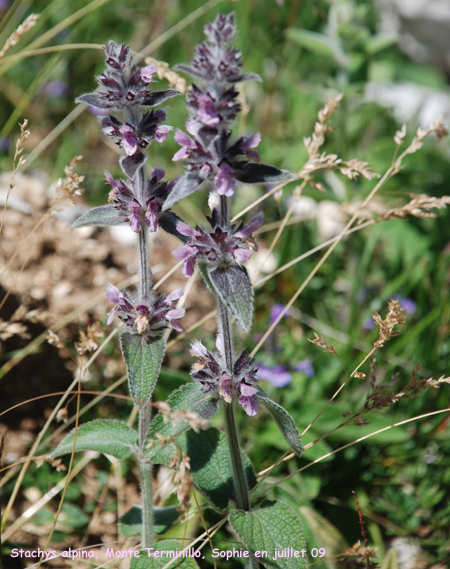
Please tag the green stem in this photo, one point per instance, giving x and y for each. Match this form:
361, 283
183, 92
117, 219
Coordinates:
226, 331
145, 468
240, 481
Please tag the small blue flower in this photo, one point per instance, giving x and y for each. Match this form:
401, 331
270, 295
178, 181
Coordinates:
278, 375
306, 367
275, 312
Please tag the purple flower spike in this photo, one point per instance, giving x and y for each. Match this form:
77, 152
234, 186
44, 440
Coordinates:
277, 375
306, 367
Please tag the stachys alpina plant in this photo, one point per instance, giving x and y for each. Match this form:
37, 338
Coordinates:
216, 161
136, 200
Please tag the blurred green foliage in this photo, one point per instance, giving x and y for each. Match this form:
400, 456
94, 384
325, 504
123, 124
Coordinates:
303, 50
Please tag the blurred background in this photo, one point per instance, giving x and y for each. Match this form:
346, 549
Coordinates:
391, 60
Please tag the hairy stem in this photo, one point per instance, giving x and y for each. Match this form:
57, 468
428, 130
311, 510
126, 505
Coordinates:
226, 331
240, 481
145, 468
144, 270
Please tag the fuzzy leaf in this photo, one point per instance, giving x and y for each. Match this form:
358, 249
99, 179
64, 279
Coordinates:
143, 356
284, 421
203, 270
233, 286
318, 43
273, 527
168, 221
378, 42
160, 557
190, 69
251, 173
103, 435
101, 215
211, 466
188, 397
131, 164
158, 97
186, 185
95, 101
130, 524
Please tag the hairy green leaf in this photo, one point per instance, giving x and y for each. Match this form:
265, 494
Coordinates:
251, 173
161, 554
272, 528
378, 42
188, 397
318, 43
101, 215
211, 466
284, 421
143, 356
130, 524
103, 435
186, 185
232, 285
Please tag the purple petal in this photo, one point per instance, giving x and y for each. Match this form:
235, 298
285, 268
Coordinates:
252, 226
225, 388
158, 173
135, 223
176, 313
184, 229
247, 390
198, 349
113, 294
192, 127
175, 295
184, 139
111, 316
177, 326
242, 255
181, 154
250, 405
188, 267
184, 252
224, 180
251, 141
147, 73
129, 142
161, 132
278, 375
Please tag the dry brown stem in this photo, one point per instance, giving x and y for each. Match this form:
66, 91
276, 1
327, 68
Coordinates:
14, 38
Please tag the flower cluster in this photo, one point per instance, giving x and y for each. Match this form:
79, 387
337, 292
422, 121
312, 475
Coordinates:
152, 318
123, 85
210, 371
216, 157
130, 137
210, 152
219, 246
140, 206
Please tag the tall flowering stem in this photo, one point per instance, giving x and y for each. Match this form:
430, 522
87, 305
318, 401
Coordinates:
217, 161
137, 199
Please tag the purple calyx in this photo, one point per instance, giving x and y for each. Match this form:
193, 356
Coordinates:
210, 372
218, 246
150, 318
140, 209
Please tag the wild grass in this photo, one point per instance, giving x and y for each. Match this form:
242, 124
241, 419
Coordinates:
370, 247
